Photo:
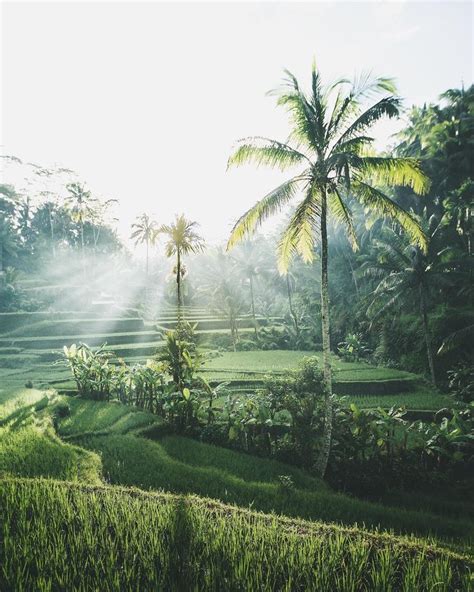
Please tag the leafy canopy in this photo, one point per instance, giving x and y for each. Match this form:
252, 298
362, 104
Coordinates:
329, 141
182, 237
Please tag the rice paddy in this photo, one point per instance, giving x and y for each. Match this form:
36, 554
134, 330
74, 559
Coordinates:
62, 536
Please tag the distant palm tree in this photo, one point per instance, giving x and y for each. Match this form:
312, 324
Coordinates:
329, 139
8, 237
250, 265
81, 205
219, 279
182, 240
406, 276
146, 231
8, 242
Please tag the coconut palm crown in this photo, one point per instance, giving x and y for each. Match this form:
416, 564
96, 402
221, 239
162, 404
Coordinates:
182, 240
145, 230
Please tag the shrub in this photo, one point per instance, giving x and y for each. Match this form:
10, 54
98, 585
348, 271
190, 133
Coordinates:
353, 348
461, 382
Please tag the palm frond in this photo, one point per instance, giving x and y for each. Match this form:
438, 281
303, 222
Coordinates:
457, 339
343, 215
299, 236
377, 201
361, 87
263, 151
386, 107
267, 206
395, 171
306, 130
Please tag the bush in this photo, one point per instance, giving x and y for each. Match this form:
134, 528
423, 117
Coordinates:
461, 382
353, 349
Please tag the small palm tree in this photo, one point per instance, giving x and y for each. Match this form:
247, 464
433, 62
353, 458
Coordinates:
182, 240
250, 266
329, 141
81, 205
145, 231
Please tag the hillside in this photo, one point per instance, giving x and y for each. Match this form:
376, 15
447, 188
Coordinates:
59, 535
90, 441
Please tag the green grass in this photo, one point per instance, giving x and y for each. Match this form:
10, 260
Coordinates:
420, 398
13, 398
33, 451
58, 536
97, 417
185, 466
280, 360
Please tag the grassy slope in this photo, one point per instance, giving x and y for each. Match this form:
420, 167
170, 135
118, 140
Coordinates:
182, 465
61, 536
34, 451
29, 445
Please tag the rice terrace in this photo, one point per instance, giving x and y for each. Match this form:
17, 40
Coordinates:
237, 364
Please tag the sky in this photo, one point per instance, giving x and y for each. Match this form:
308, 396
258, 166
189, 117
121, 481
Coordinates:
145, 100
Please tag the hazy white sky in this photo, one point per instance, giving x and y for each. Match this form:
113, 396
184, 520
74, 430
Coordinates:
145, 100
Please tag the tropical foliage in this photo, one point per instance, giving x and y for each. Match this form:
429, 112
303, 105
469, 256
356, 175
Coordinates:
330, 140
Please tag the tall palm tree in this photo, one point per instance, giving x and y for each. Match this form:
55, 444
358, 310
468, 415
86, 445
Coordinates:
82, 206
250, 266
145, 231
182, 240
405, 277
329, 141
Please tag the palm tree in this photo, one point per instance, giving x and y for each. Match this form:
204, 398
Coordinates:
329, 140
219, 279
146, 231
250, 266
406, 277
8, 237
81, 205
182, 240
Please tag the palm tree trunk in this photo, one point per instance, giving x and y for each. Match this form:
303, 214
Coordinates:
290, 304
51, 228
178, 279
322, 461
82, 250
146, 272
426, 332
253, 308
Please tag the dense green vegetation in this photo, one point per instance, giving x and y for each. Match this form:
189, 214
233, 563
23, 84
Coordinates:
127, 456
322, 372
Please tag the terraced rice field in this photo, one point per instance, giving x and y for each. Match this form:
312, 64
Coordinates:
30, 343
368, 386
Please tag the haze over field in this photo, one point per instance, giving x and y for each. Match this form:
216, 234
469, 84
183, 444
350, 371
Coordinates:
144, 101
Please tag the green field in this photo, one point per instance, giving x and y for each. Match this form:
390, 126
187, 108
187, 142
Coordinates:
31, 342
78, 537
117, 435
91, 534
